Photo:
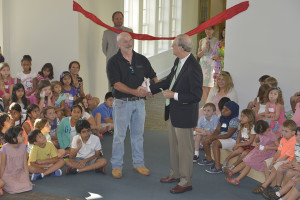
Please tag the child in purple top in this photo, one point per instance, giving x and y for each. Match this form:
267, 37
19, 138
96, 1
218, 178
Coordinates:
266, 148
70, 91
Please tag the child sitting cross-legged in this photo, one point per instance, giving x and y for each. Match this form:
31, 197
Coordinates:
85, 151
206, 126
287, 175
224, 136
245, 138
285, 154
265, 145
43, 158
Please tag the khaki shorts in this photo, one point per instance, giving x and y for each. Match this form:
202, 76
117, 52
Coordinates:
276, 165
228, 143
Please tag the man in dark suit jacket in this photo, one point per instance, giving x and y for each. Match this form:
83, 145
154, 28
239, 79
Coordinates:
183, 91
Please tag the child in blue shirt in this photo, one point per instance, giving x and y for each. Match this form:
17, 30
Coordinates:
104, 110
206, 126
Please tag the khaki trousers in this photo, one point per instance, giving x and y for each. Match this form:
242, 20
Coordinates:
181, 144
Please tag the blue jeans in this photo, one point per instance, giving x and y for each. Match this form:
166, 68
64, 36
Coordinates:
130, 113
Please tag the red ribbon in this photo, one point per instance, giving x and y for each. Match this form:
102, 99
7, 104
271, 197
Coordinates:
227, 14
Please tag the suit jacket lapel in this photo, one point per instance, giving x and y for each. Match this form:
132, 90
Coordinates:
183, 69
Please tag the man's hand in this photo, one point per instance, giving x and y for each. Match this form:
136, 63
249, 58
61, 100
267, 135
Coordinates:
168, 94
141, 91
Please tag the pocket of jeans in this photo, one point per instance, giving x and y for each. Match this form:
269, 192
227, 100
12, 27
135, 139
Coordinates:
118, 103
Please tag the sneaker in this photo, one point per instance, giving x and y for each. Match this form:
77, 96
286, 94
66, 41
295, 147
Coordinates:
100, 170
205, 162
276, 188
1, 192
195, 158
213, 171
70, 170
35, 177
57, 173
270, 195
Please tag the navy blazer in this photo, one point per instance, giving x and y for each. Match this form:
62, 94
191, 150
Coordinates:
188, 85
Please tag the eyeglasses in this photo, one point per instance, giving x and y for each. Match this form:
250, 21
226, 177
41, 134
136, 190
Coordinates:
131, 70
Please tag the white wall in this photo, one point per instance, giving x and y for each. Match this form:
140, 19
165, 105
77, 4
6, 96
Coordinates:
46, 30
264, 40
91, 57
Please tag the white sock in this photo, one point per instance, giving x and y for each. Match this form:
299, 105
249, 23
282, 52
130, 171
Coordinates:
197, 153
278, 194
42, 175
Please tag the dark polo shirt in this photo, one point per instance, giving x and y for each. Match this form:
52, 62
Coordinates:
132, 75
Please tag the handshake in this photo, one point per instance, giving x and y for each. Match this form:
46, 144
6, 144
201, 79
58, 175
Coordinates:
143, 92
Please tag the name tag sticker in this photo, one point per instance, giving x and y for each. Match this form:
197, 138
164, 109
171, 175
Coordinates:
271, 110
6, 86
71, 98
224, 125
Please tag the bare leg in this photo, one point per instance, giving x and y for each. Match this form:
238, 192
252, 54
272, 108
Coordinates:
243, 173
238, 168
101, 162
216, 151
2, 183
240, 159
271, 177
292, 195
293, 102
207, 150
266, 171
288, 176
197, 139
59, 164
234, 154
280, 174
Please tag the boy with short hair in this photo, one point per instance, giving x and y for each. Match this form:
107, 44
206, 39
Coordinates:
85, 151
262, 79
206, 126
43, 158
105, 109
285, 154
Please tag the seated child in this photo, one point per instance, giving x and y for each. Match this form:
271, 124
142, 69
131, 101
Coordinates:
5, 123
294, 100
43, 158
44, 126
70, 91
271, 81
15, 112
14, 162
66, 129
104, 111
296, 116
285, 153
274, 113
259, 103
59, 97
206, 126
18, 96
262, 79
85, 151
43, 96
33, 113
245, 138
265, 145
50, 115
289, 172
223, 137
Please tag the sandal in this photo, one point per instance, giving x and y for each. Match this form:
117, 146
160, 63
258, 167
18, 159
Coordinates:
228, 172
232, 181
259, 189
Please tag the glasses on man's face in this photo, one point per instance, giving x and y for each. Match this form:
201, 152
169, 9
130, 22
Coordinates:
131, 70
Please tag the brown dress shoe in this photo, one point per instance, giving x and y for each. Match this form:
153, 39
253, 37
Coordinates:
180, 189
168, 179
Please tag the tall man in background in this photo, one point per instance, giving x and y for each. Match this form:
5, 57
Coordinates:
109, 39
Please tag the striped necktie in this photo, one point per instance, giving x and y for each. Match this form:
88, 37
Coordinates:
173, 81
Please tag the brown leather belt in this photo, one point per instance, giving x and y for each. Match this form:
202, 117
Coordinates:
131, 98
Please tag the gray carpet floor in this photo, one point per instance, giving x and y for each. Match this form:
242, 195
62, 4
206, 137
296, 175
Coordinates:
135, 186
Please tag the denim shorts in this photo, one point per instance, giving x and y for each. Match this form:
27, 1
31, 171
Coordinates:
88, 163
